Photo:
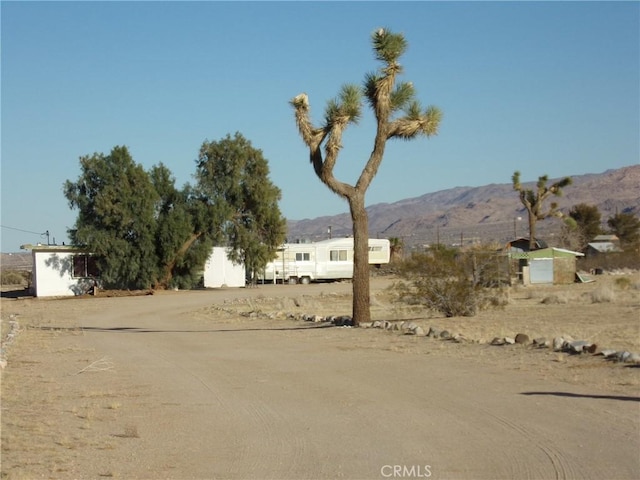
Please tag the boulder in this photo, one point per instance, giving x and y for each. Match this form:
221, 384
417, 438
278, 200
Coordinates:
522, 339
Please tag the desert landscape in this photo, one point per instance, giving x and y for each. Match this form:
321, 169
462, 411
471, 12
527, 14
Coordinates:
234, 383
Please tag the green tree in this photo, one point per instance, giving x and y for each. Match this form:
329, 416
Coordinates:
398, 115
186, 231
116, 218
626, 226
234, 176
533, 200
587, 220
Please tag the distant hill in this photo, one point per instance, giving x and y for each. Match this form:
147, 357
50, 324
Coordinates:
487, 213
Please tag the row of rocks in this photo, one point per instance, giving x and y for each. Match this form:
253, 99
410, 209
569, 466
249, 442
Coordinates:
14, 329
559, 344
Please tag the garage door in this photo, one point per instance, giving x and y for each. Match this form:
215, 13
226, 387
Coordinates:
541, 270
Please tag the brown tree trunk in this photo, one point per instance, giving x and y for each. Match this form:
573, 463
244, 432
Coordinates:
361, 293
168, 268
532, 232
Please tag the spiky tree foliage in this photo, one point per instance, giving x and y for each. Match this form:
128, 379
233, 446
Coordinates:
234, 176
533, 200
116, 217
398, 115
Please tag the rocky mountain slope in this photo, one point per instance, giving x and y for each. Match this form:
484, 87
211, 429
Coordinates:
487, 213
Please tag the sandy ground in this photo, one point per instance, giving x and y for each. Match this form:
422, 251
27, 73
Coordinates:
221, 384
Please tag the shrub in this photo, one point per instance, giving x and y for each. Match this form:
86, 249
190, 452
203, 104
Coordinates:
603, 294
623, 283
14, 277
449, 282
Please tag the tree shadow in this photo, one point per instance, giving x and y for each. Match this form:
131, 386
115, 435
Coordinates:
585, 395
149, 330
17, 293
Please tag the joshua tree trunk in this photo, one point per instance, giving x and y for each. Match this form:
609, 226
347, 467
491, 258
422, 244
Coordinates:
361, 292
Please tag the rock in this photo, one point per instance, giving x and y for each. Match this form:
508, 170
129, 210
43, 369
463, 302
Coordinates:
607, 352
509, 340
540, 342
622, 356
347, 321
459, 338
558, 342
434, 332
498, 341
445, 335
409, 326
522, 339
577, 346
387, 325
591, 348
419, 332
377, 324
366, 325
633, 358
396, 326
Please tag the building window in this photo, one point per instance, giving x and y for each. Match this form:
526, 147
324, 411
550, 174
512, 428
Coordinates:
85, 266
338, 255
303, 257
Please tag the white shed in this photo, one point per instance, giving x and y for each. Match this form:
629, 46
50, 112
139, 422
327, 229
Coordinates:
219, 271
60, 270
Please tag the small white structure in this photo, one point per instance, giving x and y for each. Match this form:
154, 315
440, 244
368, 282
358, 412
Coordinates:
321, 261
61, 271
219, 271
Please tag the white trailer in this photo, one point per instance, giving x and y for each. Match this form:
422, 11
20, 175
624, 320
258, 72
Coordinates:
219, 271
321, 261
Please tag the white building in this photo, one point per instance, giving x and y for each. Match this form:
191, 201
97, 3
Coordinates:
60, 270
219, 271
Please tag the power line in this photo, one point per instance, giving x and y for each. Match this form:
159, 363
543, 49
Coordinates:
21, 230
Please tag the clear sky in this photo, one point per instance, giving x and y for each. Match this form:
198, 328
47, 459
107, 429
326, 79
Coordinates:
542, 87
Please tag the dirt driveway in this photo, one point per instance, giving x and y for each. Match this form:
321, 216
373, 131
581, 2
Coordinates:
221, 384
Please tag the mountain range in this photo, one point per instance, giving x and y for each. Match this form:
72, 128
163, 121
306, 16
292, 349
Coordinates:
486, 213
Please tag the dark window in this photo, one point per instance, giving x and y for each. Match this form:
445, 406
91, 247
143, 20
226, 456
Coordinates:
85, 266
303, 257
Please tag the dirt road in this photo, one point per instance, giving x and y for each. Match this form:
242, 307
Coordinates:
178, 386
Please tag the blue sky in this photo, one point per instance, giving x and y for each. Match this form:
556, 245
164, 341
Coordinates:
542, 87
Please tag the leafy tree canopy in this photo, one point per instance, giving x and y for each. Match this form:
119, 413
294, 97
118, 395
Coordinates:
234, 176
626, 226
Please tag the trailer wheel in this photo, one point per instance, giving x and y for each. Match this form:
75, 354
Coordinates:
305, 280
293, 280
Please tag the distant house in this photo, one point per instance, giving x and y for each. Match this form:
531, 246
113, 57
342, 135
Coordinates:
60, 270
547, 266
603, 244
522, 245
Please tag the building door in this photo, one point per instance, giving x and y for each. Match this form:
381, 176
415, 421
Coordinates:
541, 270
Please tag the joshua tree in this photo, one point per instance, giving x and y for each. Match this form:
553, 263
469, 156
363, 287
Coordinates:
398, 115
533, 201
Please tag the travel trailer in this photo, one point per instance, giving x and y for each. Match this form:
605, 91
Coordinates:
326, 260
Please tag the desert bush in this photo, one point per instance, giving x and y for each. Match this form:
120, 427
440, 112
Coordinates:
449, 282
14, 277
554, 299
603, 294
623, 283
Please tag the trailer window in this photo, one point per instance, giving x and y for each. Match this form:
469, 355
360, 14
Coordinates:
338, 256
303, 257
375, 249
85, 266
